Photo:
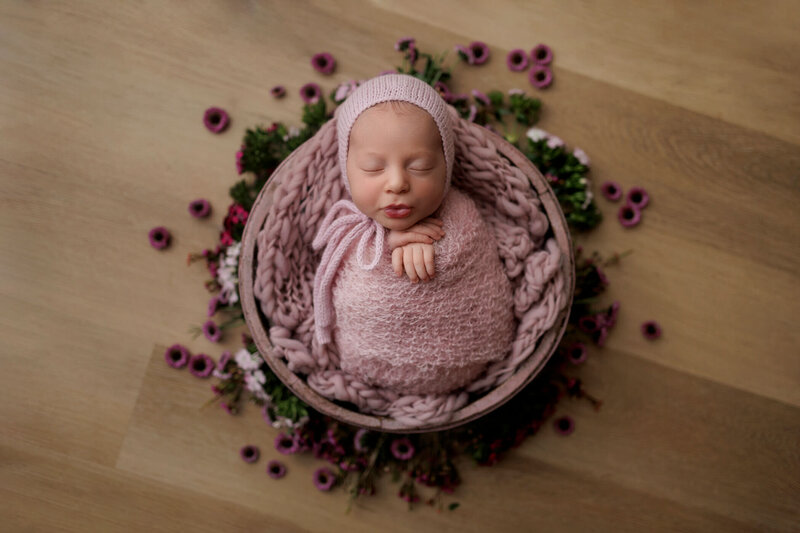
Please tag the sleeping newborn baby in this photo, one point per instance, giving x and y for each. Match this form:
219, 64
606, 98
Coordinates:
410, 287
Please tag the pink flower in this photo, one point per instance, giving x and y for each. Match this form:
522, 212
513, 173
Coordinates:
216, 119
611, 190
517, 60
310, 93
159, 237
200, 208
323, 63
542, 55
286, 444
629, 215
480, 51
576, 353
465, 53
201, 365
225, 238
249, 453
276, 469
177, 356
540, 76
564, 425
279, 91
344, 90
473, 112
638, 197
581, 156
324, 479
554, 142
212, 331
402, 449
358, 440
239, 167
651, 330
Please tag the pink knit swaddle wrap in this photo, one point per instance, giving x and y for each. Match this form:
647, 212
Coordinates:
427, 337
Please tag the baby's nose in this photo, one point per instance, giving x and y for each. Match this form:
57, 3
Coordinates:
397, 181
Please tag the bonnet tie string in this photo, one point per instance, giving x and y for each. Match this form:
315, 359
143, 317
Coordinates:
343, 224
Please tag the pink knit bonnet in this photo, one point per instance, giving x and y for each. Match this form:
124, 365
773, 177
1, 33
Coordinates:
389, 87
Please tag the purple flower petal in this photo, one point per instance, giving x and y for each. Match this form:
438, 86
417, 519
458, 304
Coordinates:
310, 93
576, 353
212, 331
177, 356
239, 155
638, 197
402, 448
542, 54
611, 190
213, 305
651, 330
216, 119
279, 91
286, 444
540, 76
159, 237
324, 479
200, 208
629, 215
276, 469
517, 60
249, 453
480, 51
564, 425
323, 63
201, 365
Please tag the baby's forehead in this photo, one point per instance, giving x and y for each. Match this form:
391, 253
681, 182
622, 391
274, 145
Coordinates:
373, 121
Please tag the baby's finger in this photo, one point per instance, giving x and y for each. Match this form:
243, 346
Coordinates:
431, 230
397, 261
419, 263
411, 236
430, 264
408, 261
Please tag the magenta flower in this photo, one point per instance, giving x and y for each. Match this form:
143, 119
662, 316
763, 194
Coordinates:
444, 90
323, 63
220, 372
611, 190
517, 60
540, 76
159, 237
612, 314
412, 53
473, 112
564, 425
581, 156
358, 440
601, 336
551, 178
651, 330
481, 97
310, 93
216, 119
212, 331
276, 469
177, 356
629, 215
249, 453
465, 53
480, 51
402, 449
286, 444
239, 155
403, 43
228, 408
324, 479
200, 208
588, 324
279, 91
542, 54
576, 353
213, 305
638, 197
201, 365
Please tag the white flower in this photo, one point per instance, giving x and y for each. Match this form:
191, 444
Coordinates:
589, 197
516, 91
227, 273
536, 134
581, 156
554, 142
246, 360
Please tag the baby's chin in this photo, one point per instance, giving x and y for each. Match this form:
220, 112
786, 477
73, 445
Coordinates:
397, 224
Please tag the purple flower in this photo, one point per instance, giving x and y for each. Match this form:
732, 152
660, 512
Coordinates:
517, 60
276, 469
159, 237
588, 324
219, 372
324, 479
344, 90
473, 112
323, 63
286, 444
249, 453
212, 331
465, 53
239, 155
581, 156
611, 190
216, 119
279, 91
412, 53
602, 334
200, 208
403, 43
349, 465
629, 215
402, 449
481, 97
564, 425
576, 353
213, 305
444, 90
480, 51
310, 93
542, 55
201, 365
266, 416
638, 197
177, 356
228, 408
540, 76
601, 275
651, 330
358, 442
612, 314
551, 178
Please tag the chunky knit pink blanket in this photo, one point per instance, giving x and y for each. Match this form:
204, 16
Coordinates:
305, 188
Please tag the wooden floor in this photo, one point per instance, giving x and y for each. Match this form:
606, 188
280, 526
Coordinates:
102, 139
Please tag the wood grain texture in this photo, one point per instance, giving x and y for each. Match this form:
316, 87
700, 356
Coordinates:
102, 139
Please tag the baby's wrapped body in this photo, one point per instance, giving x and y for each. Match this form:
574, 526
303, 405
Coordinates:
434, 336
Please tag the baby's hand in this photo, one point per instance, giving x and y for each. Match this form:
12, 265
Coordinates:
425, 231
417, 260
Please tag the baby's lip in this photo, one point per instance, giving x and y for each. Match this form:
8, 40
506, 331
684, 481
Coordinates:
397, 206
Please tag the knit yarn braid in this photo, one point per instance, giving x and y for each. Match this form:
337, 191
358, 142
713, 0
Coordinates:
286, 264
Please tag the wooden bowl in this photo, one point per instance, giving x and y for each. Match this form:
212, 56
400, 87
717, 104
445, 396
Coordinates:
526, 371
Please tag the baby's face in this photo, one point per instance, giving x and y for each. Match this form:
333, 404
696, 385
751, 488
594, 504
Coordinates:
395, 165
